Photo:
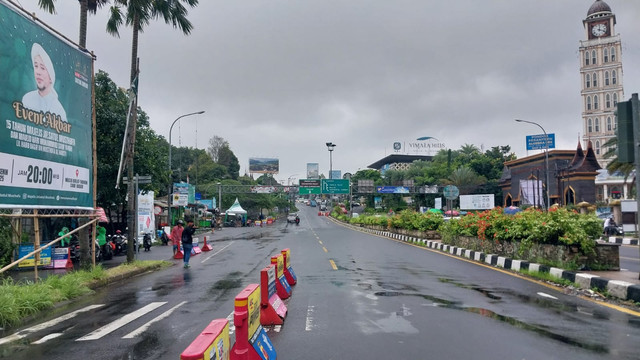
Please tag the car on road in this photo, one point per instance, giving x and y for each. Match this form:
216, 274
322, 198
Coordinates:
291, 218
313, 203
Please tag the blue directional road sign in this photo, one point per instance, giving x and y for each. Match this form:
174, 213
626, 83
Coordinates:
536, 142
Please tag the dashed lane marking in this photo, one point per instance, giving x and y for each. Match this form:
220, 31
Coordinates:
309, 321
333, 264
113, 326
216, 253
325, 249
547, 296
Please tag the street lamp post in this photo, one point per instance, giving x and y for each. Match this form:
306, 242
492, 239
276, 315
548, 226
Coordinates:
170, 170
330, 147
546, 157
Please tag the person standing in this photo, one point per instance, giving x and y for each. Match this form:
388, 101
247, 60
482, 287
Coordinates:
187, 241
176, 235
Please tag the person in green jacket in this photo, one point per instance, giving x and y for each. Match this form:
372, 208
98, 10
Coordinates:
66, 240
102, 235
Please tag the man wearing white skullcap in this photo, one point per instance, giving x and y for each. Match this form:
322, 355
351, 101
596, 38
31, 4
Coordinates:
45, 98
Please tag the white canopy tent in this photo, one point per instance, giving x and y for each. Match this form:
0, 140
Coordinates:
236, 212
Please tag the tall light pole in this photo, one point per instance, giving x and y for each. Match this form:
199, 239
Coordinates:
330, 147
546, 157
169, 195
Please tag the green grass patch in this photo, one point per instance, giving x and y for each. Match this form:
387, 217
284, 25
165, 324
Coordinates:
26, 298
545, 276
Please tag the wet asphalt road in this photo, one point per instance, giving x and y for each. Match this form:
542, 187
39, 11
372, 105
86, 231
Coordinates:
630, 258
384, 299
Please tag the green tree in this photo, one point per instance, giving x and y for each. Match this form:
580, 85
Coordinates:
139, 13
466, 179
227, 158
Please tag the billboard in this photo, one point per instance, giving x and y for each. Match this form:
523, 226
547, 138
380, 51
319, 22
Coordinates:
45, 112
477, 202
264, 165
313, 171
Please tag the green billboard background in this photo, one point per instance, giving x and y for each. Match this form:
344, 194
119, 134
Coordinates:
45, 153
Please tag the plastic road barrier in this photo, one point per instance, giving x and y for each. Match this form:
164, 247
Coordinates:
272, 309
206, 246
252, 342
195, 250
282, 286
211, 344
61, 258
179, 254
288, 270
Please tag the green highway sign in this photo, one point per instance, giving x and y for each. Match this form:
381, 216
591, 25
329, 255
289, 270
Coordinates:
309, 190
335, 186
309, 186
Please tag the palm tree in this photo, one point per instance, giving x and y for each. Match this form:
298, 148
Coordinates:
85, 7
138, 14
465, 179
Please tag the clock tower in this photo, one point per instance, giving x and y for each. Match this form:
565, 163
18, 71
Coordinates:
601, 77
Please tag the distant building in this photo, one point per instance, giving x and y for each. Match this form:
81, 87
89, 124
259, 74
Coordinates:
571, 175
397, 162
601, 75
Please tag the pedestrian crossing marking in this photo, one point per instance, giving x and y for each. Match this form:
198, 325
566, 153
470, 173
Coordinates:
109, 328
146, 326
45, 325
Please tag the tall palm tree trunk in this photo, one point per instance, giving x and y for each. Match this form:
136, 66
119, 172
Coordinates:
84, 9
133, 197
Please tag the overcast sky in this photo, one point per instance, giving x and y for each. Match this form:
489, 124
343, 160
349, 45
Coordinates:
281, 78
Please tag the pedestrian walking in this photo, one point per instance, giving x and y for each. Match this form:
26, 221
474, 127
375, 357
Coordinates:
176, 235
187, 241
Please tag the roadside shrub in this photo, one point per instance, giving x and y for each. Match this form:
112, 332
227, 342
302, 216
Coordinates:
6, 247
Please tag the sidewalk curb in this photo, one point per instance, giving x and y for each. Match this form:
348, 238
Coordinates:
619, 289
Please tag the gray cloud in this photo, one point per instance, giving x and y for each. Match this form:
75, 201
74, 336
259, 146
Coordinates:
281, 78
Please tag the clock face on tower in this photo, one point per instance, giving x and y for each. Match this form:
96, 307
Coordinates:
599, 30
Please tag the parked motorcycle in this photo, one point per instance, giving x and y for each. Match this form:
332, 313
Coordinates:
120, 243
146, 242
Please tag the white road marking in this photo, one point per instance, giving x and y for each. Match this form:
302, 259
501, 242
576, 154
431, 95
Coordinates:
547, 296
24, 333
232, 326
115, 325
47, 338
309, 322
216, 253
146, 326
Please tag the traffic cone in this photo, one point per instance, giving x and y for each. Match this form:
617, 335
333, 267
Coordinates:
178, 254
69, 264
206, 246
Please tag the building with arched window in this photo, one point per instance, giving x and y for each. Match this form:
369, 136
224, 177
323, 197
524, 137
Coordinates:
602, 61
572, 175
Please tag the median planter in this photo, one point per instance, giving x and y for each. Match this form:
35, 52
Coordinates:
605, 257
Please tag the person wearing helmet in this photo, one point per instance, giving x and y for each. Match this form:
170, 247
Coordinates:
176, 235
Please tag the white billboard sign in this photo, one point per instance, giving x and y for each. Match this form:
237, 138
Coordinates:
477, 202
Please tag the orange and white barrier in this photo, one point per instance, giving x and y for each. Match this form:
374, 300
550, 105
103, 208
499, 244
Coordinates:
206, 246
212, 343
272, 309
282, 286
252, 342
287, 269
195, 249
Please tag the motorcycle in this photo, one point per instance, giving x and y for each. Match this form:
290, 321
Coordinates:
146, 242
297, 220
120, 244
107, 249
74, 249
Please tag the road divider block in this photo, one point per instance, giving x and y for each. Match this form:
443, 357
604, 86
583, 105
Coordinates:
282, 286
206, 246
195, 249
211, 344
287, 269
252, 342
272, 309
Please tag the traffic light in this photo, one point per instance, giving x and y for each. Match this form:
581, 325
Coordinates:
628, 118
